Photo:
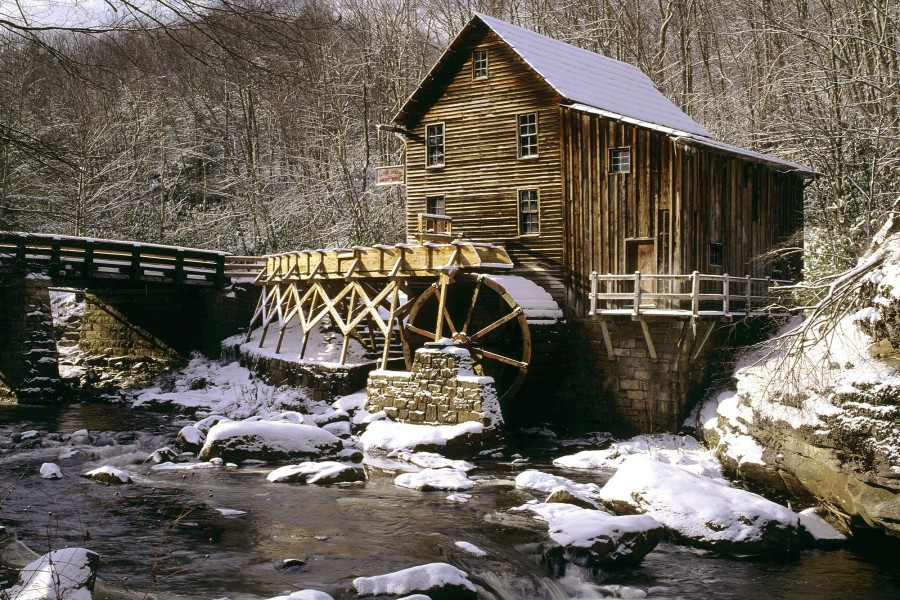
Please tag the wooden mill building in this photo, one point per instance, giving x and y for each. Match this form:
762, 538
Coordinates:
575, 163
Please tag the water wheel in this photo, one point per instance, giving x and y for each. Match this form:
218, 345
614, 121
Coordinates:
478, 314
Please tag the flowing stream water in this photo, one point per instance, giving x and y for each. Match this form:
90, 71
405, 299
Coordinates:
165, 534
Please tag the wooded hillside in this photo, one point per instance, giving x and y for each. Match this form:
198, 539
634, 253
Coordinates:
250, 125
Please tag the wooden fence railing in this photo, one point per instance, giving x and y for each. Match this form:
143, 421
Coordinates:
692, 295
68, 257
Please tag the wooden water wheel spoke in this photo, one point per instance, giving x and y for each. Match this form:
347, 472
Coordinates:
502, 320
523, 366
472, 304
423, 332
449, 320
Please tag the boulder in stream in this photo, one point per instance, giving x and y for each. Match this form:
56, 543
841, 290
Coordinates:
67, 574
323, 473
435, 580
268, 441
109, 476
702, 512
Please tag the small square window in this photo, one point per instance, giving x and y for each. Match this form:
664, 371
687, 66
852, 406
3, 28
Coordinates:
434, 205
528, 143
620, 160
479, 64
434, 145
529, 213
716, 254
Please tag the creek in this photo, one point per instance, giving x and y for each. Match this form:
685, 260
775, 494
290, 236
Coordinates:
178, 533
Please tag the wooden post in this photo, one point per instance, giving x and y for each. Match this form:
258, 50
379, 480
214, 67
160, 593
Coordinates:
179, 266
135, 262
88, 268
726, 300
442, 304
695, 293
593, 310
395, 297
220, 270
747, 291
637, 293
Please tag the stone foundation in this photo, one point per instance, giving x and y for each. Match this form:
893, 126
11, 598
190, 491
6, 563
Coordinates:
631, 392
320, 381
440, 390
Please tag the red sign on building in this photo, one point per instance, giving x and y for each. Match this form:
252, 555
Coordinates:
390, 175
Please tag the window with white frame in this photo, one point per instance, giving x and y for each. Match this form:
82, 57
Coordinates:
527, 130
479, 64
620, 160
529, 213
434, 145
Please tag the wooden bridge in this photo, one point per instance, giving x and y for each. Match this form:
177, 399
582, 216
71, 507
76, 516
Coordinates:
80, 259
146, 303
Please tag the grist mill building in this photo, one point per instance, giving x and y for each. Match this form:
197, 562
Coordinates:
576, 164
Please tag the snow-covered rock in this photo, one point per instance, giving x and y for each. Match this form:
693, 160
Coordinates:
50, 471
433, 580
67, 574
305, 595
190, 438
428, 480
560, 488
389, 436
432, 460
109, 475
470, 548
162, 455
819, 531
322, 473
593, 537
698, 510
268, 441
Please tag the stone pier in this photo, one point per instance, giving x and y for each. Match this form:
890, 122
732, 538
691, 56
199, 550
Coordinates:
29, 370
440, 390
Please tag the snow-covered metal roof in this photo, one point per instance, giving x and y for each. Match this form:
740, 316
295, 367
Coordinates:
589, 78
687, 137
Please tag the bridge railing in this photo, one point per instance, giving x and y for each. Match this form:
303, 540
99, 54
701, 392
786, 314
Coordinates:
685, 295
84, 258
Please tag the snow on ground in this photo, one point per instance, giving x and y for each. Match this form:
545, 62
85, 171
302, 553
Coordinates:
389, 436
680, 451
416, 579
323, 347
435, 479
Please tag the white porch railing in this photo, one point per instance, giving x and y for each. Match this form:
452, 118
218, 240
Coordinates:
685, 295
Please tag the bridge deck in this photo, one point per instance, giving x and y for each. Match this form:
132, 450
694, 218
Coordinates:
77, 258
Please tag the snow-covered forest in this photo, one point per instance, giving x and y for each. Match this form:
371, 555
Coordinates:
250, 125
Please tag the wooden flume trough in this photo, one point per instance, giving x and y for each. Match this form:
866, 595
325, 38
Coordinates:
407, 293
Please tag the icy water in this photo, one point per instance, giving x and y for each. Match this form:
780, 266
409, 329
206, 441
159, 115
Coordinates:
166, 533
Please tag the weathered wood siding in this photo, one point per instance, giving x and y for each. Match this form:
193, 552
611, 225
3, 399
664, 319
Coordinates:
482, 172
698, 196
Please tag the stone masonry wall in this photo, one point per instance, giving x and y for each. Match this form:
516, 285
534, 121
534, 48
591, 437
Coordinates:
29, 369
632, 392
440, 390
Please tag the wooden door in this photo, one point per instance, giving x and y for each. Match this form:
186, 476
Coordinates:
641, 256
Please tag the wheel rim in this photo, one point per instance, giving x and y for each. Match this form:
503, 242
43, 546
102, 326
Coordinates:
482, 317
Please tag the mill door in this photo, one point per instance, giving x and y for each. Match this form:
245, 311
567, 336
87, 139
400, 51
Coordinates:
640, 255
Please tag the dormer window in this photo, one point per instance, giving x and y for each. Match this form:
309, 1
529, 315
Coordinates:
528, 143
479, 64
434, 145
620, 160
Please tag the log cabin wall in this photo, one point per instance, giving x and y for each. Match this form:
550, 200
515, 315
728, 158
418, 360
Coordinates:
689, 207
482, 172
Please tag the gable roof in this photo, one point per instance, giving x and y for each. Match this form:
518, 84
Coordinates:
589, 82
589, 78
578, 75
